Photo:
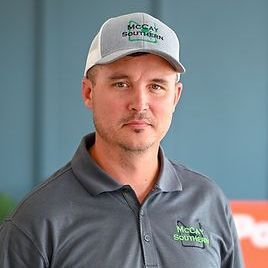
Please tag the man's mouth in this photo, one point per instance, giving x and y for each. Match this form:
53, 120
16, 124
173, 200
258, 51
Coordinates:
138, 123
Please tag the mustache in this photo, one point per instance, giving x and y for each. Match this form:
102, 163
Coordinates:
137, 116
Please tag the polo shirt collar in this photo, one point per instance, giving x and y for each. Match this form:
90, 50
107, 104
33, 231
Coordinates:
169, 179
88, 173
95, 180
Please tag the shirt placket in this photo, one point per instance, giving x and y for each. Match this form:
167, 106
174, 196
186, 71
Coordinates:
145, 231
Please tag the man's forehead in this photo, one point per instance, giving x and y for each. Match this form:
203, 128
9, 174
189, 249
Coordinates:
147, 65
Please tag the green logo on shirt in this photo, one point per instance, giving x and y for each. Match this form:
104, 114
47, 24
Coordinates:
190, 236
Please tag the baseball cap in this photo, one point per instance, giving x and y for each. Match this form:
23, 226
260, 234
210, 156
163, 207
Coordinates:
131, 33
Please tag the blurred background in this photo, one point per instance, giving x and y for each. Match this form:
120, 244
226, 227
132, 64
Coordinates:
219, 129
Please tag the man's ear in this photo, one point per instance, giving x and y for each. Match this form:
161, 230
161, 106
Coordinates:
87, 92
178, 90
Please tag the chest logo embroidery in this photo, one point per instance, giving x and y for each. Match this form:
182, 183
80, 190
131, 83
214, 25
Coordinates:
191, 236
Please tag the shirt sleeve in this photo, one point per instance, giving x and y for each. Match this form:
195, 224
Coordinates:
234, 258
17, 249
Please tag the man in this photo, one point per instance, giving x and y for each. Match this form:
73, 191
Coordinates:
120, 202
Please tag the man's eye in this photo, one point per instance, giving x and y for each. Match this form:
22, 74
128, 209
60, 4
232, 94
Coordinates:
156, 87
120, 85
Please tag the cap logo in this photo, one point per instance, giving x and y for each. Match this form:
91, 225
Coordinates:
142, 32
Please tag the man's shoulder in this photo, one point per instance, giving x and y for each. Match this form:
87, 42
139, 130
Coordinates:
48, 197
42, 211
193, 179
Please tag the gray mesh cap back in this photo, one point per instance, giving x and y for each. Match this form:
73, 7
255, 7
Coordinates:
131, 33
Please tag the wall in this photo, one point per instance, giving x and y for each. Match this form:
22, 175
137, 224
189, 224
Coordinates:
220, 127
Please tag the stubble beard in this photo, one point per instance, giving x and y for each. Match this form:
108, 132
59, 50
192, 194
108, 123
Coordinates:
123, 141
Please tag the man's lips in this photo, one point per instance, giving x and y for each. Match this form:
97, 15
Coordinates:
137, 123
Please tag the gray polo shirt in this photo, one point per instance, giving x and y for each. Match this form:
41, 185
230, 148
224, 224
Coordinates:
81, 217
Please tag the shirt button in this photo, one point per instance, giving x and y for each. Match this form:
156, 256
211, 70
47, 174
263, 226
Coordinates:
142, 212
147, 238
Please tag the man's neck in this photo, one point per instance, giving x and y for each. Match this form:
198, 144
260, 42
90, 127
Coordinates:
139, 170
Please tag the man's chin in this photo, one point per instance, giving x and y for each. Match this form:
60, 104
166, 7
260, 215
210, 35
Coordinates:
136, 148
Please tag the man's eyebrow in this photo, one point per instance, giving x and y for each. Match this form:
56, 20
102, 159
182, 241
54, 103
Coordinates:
117, 76
160, 80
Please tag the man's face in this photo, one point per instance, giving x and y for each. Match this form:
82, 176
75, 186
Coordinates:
132, 101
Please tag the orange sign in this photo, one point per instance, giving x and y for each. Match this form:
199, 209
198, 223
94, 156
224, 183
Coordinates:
251, 219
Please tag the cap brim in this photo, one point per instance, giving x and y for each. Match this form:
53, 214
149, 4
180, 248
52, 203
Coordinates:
122, 53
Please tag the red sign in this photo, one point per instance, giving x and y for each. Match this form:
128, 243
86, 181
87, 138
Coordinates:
251, 219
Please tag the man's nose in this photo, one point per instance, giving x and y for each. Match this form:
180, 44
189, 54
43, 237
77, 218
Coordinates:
139, 100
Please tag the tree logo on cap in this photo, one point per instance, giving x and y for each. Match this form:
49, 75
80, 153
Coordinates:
142, 32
